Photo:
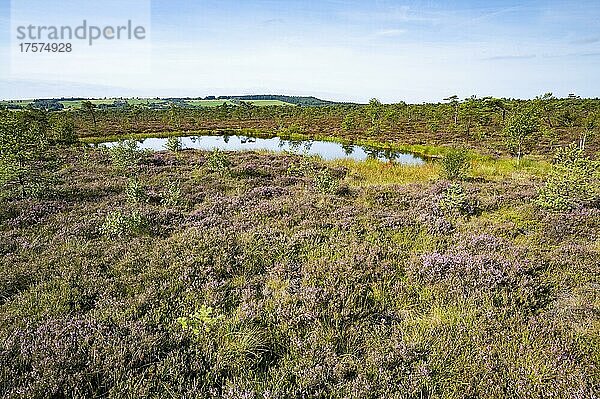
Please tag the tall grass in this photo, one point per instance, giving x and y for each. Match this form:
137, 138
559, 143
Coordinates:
374, 172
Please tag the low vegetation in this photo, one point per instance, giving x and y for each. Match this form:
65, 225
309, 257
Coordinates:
491, 126
186, 273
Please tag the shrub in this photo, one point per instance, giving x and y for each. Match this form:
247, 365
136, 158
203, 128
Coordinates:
218, 162
25, 163
199, 321
374, 112
118, 224
568, 155
454, 199
236, 346
521, 132
135, 191
301, 168
172, 196
62, 128
350, 123
573, 182
325, 183
125, 155
174, 144
455, 165
291, 130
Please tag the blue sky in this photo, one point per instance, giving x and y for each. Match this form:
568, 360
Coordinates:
345, 50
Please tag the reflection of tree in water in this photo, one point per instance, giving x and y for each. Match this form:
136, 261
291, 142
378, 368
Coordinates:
390, 155
294, 145
307, 146
372, 153
348, 149
246, 139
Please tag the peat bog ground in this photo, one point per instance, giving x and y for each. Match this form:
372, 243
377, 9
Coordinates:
188, 273
243, 275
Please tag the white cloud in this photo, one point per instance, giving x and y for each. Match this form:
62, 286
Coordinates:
392, 14
390, 32
510, 57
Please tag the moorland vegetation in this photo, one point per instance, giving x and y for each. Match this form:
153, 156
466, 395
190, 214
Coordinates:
182, 273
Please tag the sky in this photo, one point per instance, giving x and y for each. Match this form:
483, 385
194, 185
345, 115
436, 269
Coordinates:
353, 50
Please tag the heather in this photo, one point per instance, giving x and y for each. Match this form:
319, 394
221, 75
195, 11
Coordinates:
259, 275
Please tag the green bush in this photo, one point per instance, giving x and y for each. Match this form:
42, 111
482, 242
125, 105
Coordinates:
135, 191
218, 162
126, 155
301, 168
350, 123
62, 128
455, 165
199, 321
174, 144
118, 224
325, 183
455, 200
26, 164
237, 346
291, 130
172, 196
521, 132
573, 182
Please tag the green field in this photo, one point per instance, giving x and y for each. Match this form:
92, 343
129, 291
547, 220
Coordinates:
23, 103
208, 103
264, 103
75, 104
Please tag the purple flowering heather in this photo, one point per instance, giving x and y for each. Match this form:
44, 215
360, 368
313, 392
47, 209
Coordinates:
374, 292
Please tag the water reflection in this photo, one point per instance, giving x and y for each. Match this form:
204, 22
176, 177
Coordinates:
325, 149
348, 149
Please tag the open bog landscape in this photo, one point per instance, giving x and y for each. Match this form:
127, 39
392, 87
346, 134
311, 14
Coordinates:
290, 250
292, 199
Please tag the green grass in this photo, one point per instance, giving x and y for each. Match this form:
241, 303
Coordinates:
373, 172
196, 103
76, 104
22, 103
216, 103
141, 136
265, 103
143, 101
253, 281
208, 103
504, 167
